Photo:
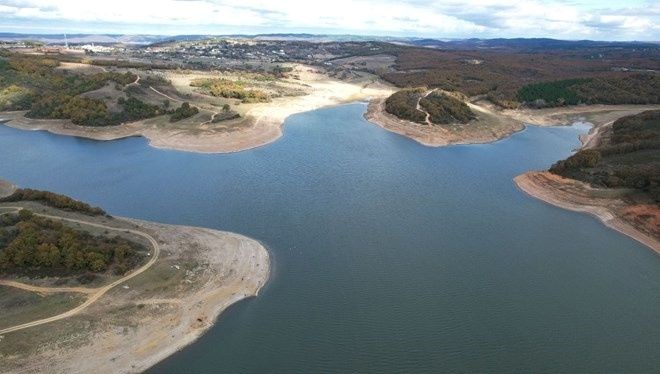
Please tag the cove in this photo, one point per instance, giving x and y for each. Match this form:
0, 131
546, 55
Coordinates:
388, 256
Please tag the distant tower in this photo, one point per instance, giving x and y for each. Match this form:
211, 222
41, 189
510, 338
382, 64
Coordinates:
66, 42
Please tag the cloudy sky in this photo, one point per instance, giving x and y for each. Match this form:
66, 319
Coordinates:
565, 19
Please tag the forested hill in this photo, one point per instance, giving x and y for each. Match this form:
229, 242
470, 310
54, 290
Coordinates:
630, 159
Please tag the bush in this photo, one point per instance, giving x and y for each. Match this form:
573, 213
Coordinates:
84, 111
134, 110
551, 93
632, 89
15, 98
184, 111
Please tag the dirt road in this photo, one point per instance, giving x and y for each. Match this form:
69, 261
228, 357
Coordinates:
95, 293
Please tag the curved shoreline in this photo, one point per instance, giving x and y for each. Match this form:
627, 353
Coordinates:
199, 274
216, 313
265, 124
494, 124
260, 132
439, 136
261, 123
639, 221
556, 191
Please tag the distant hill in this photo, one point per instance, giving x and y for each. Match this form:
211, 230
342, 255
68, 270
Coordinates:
530, 44
458, 44
97, 38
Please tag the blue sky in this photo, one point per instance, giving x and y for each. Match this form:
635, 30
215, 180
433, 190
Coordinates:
564, 19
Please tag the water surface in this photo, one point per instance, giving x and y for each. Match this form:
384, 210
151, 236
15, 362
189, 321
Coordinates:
388, 256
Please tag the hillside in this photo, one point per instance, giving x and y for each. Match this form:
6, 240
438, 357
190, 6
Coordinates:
53, 88
428, 107
628, 157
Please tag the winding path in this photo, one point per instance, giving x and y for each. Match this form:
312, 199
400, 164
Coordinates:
419, 107
95, 293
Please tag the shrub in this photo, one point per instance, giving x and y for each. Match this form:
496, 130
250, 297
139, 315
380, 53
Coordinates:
184, 111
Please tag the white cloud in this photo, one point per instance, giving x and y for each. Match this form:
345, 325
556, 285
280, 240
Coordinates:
452, 18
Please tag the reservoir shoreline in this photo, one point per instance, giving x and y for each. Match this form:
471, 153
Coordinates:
335, 201
193, 276
614, 212
569, 194
267, 121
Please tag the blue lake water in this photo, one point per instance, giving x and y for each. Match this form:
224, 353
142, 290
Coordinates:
388, 256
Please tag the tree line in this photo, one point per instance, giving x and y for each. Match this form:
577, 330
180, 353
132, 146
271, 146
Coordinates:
37, 246
54, 200
632, 89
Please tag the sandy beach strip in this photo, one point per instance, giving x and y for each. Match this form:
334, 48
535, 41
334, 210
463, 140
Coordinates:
261, 125
564, 193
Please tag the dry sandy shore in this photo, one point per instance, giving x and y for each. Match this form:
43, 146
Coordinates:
200, 272
262, 125
640, 222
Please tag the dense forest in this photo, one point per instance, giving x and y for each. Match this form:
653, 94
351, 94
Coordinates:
54, 200
630, 159
633, 89
403, 104
229, 89
499, 74
441, 107
34, 83
444, 109
37, 246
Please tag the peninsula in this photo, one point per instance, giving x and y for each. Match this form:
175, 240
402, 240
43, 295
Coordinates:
615, 176
110, 294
